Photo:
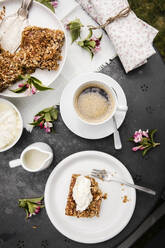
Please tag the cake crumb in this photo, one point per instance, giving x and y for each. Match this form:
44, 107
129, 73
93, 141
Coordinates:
125, 199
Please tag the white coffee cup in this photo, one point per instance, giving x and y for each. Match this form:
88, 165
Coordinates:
34, 158
116, 106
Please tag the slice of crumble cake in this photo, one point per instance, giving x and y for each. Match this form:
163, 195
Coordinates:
80, 206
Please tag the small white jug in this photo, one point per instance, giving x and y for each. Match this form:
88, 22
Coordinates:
36, 157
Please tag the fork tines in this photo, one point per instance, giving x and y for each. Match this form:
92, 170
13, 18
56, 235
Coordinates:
98, 173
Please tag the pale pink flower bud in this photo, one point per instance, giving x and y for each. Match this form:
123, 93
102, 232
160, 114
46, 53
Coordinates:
54, 4
47, 130
136, 148
20, 85
33, 90
36, 117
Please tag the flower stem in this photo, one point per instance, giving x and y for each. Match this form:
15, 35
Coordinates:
156, 144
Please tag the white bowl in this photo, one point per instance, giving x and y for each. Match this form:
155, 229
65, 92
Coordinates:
21, 128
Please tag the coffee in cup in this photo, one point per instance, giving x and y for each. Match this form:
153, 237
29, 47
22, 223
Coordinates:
94, 102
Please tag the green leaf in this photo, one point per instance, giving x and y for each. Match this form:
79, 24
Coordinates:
89, 35
48, 117
20, 90
34, 79
131, 139
41, 87
90, 51
146, 150
54, 113
91, 43
34, 124
22, 77
27, 213
46, 110
75, 27
31, 207
47, 4
22, 203
100, 38
34, 200
80, 43
151, 134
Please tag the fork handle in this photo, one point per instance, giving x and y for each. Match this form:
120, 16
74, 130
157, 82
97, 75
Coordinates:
144, 189
26, 4
117, 140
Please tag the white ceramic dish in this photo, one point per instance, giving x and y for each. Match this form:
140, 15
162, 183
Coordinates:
70, 117
21, 129
40, 16
114, 215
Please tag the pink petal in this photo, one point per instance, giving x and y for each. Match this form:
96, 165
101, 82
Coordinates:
41, 124
145, 133
34, 90
54, 4
36, 117
20, 85
136, 148
48, 130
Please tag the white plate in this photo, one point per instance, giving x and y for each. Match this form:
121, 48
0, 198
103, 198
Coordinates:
40, 16
114, 215
74, 123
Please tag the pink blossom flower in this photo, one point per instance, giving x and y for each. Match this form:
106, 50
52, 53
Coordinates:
54, 4
138, 136
27, 85
48, 130
28, 92
66, 25
33, 90
97, 48
21, 85
145, 133
136, 148
41, 124
36, 117
48, 126
37, 210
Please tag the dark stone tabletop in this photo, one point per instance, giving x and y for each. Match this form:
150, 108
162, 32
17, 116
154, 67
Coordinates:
145, 92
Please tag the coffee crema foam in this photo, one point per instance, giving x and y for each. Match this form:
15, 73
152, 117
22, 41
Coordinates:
94, 102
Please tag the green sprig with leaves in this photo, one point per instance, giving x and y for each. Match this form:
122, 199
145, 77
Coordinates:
31, 85
46, 118
32, 206
144, 140
47, 3
90, 44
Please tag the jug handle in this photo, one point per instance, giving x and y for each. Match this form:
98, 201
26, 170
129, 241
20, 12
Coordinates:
15, 163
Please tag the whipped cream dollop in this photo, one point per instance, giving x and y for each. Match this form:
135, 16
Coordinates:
82, 193
10, 125
11, 32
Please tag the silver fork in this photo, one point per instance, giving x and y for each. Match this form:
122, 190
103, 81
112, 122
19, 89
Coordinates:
12, 26
105, 176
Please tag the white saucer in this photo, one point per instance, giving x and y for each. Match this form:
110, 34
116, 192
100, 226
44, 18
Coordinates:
114, 214
74, 123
